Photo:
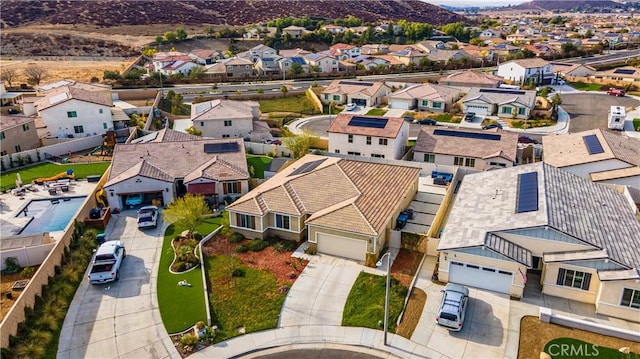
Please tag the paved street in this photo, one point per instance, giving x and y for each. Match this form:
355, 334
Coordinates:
120, 319
590, 110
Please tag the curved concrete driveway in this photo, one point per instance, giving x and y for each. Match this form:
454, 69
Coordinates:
120, 319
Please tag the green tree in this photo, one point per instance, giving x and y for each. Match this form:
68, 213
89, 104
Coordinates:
159, 39
187, 212
259, 90
133, 74
197, 73
181, 33
170, 36
296, 69
284, 90
193, 131
111, 75
176, 104
568, 48
209, 31
556, 101
149, 51
299, 145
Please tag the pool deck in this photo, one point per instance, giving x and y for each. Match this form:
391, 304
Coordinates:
11, 205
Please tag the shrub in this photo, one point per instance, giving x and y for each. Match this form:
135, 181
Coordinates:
27, 272
241, 248
236, 237
289, 245
188, 340
197, 236
256, 245
11, 265
239, 272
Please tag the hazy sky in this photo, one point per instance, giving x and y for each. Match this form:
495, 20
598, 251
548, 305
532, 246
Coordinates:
475, 2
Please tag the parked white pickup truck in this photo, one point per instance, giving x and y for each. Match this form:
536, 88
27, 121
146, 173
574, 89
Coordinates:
106, 263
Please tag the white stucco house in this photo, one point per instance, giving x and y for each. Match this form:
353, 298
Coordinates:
168, 164
72, 111
465, 147
598, 155
368, 136
425, 97
535, 69
325, 63
225, 118
500, 102
361, 93
539, 227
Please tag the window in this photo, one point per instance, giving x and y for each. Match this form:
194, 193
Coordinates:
353, 153
337, 151
226, 136
227, 123
382, 141
522, 111
2, 136
630, 298
429, 157
469, 162
71, 114
336, 97
498, 164
436, 104
201, 123
232, 187
3, 153
104, 125
78, 129
506, 109
245, 221
375, 155
425, 103
25, 127
574, 279
350, 139
368, 140
18, 149
458, 161
283, 221
99, 110
326, 96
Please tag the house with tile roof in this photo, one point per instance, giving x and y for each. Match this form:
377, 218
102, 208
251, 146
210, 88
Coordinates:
344, 51
231, 67
425, 97
74, 111
469, 78
465, 147
204, 56
538, 70
362, 93
567, 70
539, 228
225, 118
620, 76
598, 155
500, 102
368, 136
342, 207
172, 164
324, 62
18, 133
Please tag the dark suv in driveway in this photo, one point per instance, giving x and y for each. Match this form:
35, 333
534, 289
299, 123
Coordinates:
469, 116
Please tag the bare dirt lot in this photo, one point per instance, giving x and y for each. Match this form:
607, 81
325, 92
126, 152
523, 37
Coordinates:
62, 68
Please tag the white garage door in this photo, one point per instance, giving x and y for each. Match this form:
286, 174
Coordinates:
478, 109
480, 277
403, 105
341, 246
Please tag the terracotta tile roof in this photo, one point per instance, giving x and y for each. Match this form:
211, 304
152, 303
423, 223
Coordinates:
469, 76
62, 94
345, 87
169, 135
170, 160
430, 142
530, 63
340, 194
427, 91
222, 110
340, 124
217, 169
7, 122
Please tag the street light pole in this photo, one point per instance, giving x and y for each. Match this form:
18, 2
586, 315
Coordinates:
386, 297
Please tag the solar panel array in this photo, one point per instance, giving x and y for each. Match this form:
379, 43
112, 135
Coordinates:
625, 71
223, 147
527, 196
307, 167
476, 135
298, 60
508, 92
370, 122
356, 83
593, 144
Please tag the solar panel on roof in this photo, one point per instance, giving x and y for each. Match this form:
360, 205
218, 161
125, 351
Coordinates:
625, 71
476, 135
371, 122
298, 60
356, 83
307, 167
593, 144
527, 196
223, 147
508, 92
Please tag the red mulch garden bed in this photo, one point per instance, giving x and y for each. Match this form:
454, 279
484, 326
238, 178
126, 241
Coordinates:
405, 266
280, 264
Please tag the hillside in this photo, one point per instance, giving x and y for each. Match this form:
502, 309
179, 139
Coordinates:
110, 13
574, 5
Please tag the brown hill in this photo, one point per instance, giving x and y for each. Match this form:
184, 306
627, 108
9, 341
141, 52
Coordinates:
551, 5
109, 13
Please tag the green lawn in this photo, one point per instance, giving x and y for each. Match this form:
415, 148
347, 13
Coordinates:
253, 300
258, 163
585, 87
446, 117
581, 348
298, 104
376, 112
365, 304
48, 169
636, 124
181, 307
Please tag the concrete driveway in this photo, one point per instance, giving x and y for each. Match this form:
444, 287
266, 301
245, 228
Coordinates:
318, 296
120, 319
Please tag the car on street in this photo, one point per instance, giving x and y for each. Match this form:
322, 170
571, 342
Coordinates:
148, 217
428, 121
469, 116
615, 92
13, 111
408, 118
527, 139
453, 307
492, 125
350, 106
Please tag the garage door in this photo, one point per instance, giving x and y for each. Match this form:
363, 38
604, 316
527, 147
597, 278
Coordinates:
479, 110
480, 277
403, 105
359, 101
341, 246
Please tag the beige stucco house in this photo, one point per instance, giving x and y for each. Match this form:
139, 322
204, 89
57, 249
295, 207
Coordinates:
541, 227
342, 207
225, 118
359, 92
368, 136
425, 97
500, 102
17, 134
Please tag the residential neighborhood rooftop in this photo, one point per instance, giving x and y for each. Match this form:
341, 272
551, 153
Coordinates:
426, 91
222, 109
501, 96
352, 86
388, 127
62, 94
7, 122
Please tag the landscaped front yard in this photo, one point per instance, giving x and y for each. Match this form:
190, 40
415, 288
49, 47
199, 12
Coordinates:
585, 87
376, 112
293, 104
48, 169
259, 163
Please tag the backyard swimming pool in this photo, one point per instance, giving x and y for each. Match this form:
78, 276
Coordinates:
50, 215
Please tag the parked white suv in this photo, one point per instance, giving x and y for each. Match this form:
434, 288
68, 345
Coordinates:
453, 307
148, 217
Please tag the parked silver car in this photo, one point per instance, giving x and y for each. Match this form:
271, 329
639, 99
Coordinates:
453, 307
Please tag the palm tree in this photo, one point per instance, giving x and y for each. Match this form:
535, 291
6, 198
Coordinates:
556, 101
